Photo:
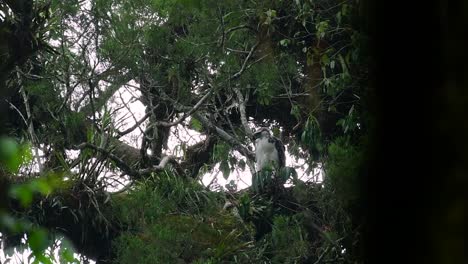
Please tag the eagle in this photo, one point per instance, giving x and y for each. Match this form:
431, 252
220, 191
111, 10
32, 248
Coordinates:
268, 149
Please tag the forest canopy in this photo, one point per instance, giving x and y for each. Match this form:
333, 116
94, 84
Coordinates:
115, 112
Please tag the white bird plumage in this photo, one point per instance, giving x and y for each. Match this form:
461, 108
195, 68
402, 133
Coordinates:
268, 149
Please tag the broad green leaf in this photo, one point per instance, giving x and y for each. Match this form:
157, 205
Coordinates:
41, 186
10, 154
37, 240
23, 193
42, 259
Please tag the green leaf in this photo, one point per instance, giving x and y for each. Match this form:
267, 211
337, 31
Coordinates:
338, 17
225, 169
67, 255
325, 60
271, 13
304, 136
322, 28
276, 131
196, 124
221, 152
41, 186
284, 42
343, 64
295, 111
23, 193
41, 259
10, 154
38, 241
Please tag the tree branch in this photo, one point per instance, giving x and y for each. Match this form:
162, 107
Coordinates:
243, 117
104, 97
137, 124
167, 124
186, 114
239, 73
162, 164
226, 137
210, 126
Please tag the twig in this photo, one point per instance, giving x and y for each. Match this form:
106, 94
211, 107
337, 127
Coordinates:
17, 110
238, 74
226, 137
137, 124
162, 164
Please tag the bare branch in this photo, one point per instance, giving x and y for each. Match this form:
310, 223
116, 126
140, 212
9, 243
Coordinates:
238, 51
238, 74
239, 27
137, 124
243, 117
226, 137
186, 114
225, 33
162, 164
167, 124
210, 126
12, 106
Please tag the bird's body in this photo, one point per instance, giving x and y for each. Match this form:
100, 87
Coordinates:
269, 150
265, 153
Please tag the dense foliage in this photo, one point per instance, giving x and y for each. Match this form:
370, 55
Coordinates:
106, 93
172, 220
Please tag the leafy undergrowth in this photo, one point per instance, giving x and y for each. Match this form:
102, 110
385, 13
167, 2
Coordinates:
172, 220
168, 219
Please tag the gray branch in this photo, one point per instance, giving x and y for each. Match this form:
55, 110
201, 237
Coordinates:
243, 117
162, 164
244, 65
226, 137
167, 124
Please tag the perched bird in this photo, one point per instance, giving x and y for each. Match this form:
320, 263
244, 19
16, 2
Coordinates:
268, 149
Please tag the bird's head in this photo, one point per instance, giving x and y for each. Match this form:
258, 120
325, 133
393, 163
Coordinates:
262, 133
